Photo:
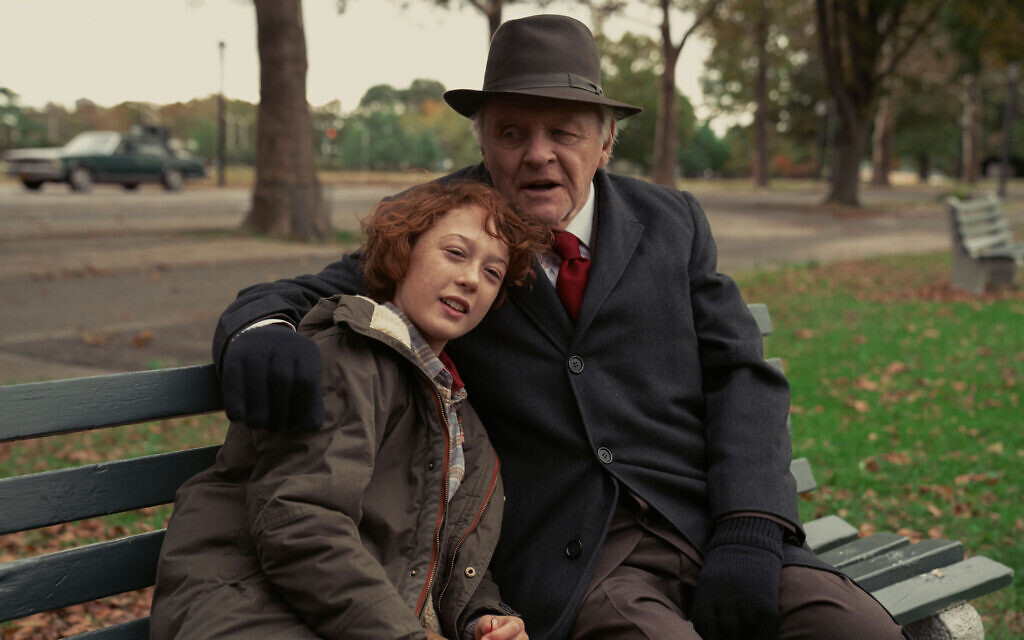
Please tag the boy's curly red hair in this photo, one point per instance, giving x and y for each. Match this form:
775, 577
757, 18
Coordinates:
395, 224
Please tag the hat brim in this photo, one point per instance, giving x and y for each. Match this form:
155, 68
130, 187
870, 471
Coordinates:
466, 102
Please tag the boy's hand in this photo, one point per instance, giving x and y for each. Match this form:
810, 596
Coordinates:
500, 628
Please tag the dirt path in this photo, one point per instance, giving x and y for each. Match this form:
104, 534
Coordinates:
113, 281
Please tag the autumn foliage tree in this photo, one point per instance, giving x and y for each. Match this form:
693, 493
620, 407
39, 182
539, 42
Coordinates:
287, 199
665, 142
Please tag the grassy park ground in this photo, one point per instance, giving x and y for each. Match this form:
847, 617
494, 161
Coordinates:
906, 399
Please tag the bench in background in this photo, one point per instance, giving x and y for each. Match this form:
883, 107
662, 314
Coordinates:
924, 585
984, 251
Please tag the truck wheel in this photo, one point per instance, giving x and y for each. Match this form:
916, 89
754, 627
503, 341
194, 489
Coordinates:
32, 185
80, 179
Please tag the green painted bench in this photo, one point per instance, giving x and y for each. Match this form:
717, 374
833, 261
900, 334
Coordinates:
918, 583
984, 251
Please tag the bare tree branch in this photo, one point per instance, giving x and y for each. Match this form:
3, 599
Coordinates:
916, 33
703, 16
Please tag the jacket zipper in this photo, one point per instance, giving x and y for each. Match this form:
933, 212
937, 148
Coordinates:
436, 548
471, 529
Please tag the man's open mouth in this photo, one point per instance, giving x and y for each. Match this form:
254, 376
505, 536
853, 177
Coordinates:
540, 186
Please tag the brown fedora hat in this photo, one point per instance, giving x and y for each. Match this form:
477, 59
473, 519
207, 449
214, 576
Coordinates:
548, 56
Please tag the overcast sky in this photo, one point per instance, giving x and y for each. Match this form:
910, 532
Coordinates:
166, 51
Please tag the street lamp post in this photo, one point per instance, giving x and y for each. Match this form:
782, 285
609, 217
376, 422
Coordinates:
220, 120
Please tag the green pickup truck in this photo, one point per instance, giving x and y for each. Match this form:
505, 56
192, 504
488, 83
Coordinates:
128, 159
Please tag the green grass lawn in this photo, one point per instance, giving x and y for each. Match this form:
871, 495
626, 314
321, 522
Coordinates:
906, 399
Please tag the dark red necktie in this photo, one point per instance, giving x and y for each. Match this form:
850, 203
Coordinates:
572, 275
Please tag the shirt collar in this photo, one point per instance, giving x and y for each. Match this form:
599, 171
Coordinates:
446, 380
582, 226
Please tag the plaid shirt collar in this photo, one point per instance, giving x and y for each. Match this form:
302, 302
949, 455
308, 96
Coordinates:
448, 385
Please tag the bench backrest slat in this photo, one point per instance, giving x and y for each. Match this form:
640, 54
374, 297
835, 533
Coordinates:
980, 225
65, 495
980, 244
137, 629
764, 320
978, 204
967, 219
996, 225
76, 575
44, 408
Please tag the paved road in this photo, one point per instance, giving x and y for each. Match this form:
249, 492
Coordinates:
118, 281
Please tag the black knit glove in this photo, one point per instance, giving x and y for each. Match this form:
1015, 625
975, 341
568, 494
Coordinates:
270, 378
738, 589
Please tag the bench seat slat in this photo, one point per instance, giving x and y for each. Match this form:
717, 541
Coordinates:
137, 629
81, 574
862, 549
53, 497
905, 563
828, 533
930, 593
44, 408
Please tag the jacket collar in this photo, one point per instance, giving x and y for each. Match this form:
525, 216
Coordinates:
382, 323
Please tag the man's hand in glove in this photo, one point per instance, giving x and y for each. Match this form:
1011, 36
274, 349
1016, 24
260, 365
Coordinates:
270, 378
737, 594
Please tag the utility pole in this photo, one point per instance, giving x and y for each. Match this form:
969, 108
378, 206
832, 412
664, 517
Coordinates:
221, 133
1013, 72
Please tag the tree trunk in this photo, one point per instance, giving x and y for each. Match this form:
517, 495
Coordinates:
665, 129
881, 143
846, 158
492, 9
287, 200
760, 160
971, 134
924, 167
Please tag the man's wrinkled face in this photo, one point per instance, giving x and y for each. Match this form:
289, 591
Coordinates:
542, 153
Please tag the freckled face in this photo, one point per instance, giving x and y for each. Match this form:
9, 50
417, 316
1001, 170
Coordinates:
455, 273
542, 154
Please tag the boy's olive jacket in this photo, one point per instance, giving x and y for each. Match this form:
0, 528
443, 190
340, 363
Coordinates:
343, 532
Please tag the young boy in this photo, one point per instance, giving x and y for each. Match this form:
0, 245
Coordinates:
382, 523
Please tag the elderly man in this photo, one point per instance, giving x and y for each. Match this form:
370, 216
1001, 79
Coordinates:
643, 438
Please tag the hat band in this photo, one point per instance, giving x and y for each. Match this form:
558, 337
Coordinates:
544, 80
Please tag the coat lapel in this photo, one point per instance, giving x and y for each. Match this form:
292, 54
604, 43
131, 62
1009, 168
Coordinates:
618, 233
539, 302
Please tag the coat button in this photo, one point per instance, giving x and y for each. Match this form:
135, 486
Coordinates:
604, 454
576, 364
470, 572
573, 549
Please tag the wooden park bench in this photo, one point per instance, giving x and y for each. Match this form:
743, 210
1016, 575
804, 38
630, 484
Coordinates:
920, 584
984, 251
